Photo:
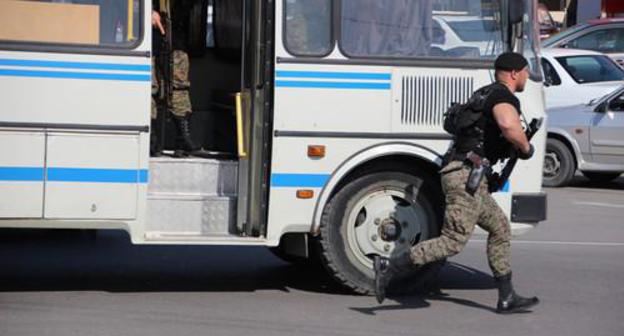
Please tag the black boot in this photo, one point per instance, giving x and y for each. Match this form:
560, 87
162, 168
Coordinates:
388, 268
508, 301
184, 141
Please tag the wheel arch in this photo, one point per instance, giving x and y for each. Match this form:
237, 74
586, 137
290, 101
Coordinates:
373, 159
569, 142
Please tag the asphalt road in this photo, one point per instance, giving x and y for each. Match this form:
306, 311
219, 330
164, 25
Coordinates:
65, 283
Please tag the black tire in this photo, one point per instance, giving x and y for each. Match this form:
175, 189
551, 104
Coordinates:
228, 29
559, 165
601, 176
346, 264
197, 29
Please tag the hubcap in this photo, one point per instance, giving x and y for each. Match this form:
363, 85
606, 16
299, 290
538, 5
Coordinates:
552, 165
383, 221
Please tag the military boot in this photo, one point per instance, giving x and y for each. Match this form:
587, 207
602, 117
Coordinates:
508, 301
388, 268
185, 145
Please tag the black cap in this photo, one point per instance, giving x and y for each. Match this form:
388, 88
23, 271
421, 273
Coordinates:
510, 61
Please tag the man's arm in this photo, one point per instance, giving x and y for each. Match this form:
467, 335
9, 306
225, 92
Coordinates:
508, 120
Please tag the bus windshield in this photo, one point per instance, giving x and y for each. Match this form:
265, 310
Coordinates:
531, 39
428, 28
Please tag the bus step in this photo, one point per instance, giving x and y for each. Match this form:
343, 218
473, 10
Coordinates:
192, 238
193, 176
175, 214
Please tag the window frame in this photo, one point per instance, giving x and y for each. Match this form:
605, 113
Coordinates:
580, 36
86, 49
558, 59
332, 32
468, 63
558, 81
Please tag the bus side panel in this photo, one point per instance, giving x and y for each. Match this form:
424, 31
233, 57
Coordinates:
84, 182
21, 174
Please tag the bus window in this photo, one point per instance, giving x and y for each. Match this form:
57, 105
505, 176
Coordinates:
308, 27
426, 28
114, 23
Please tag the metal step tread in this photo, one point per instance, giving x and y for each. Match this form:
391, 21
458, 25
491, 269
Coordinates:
215, 239
194, 176
188, 197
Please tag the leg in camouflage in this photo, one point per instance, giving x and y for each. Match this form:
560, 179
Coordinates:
494, 221
181, 99
461, 215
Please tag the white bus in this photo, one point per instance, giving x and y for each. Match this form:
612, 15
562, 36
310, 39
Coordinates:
331, 109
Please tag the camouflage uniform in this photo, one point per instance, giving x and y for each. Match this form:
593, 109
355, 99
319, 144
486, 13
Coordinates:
462, 212
180, 97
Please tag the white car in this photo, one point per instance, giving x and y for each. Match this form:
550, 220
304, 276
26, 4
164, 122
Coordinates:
573, 77
473, 36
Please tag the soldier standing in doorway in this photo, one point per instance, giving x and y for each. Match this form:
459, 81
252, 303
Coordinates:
179, 98
499, 131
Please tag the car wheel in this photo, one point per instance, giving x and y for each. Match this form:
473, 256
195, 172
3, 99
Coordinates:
559, 166
600, 176
377, 215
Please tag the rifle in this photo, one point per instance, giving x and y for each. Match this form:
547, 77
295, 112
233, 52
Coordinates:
164, 61
497, 181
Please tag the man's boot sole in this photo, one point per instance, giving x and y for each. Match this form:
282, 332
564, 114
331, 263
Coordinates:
518, 309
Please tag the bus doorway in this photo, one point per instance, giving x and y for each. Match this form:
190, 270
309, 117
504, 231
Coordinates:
199, 196
213, 39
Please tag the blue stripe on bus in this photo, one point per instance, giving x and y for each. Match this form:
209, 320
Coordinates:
333, 75
96, 175
299, 180
75, 65
333, 85
30, 174
75, 75
505, 187
21, 174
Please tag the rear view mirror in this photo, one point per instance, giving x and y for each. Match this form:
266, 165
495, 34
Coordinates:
516, 11
602, 108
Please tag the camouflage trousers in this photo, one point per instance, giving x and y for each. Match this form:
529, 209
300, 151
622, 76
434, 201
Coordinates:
180, 97
462, 213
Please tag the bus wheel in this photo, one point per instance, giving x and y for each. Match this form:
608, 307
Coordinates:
379, 214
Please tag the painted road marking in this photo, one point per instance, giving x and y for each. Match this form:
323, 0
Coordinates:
607, 205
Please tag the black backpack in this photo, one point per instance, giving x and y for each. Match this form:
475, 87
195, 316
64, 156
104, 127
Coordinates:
461, 119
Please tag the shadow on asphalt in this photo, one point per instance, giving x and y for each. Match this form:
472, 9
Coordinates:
72, 260
452, 276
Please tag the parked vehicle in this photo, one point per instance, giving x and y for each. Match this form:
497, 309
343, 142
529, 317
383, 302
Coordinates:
573, 77
473, 35
602, 35
548, 26
588, 137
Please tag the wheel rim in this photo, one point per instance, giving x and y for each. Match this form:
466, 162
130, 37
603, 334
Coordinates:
371, 221
552, 165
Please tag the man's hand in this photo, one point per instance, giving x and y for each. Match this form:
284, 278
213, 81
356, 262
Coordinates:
527, 155
156, 22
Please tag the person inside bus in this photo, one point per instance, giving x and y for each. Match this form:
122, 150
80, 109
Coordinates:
181, 107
